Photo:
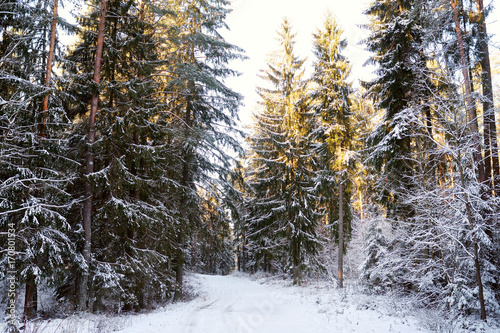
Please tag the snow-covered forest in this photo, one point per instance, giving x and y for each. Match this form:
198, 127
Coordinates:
124, 167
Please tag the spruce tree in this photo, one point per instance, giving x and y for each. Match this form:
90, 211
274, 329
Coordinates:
134, 164
395, 40
203, 110
283, 213
334, 131
33, 163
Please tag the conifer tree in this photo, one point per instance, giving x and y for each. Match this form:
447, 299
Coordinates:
283, 213
203, 109
134, 164
334, 131
32, 177
492, 168
396, 41
237, 196
211, 244
89, 164
423, 256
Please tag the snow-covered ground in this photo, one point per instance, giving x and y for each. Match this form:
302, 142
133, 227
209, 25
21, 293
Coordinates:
240, 303
231, 304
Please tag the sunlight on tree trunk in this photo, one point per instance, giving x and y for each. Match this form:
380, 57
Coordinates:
48, 73
489, 122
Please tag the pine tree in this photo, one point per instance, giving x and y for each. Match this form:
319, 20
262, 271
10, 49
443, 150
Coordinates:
396, 41
283, 213
89, 165
203, 109
132, 208
334, 131
32, 176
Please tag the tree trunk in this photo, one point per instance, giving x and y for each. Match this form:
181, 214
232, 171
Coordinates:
242, 256
179, 270
296, 261
489, 122
186, 184
468, 97
477, 153
89, 165
48, 73
30, 298
340, 273
142, 16
209, 249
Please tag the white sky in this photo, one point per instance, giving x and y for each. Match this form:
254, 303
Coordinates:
254, 24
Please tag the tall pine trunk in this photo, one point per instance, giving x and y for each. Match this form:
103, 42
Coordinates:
48, 72
89, 166
340, 272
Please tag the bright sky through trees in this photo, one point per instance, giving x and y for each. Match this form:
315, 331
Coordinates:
253, 25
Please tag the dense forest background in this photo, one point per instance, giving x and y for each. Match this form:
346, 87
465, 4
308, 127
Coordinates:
123, 164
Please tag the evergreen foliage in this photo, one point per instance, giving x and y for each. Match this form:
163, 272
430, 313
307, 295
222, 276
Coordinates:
165, 120
203, 109
211, 245
33, 175
283, 214
396, 42
169, 193
334, 130
132, 213
441, 250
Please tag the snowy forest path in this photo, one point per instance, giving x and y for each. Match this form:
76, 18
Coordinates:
232, 304
235, 304
238, 303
